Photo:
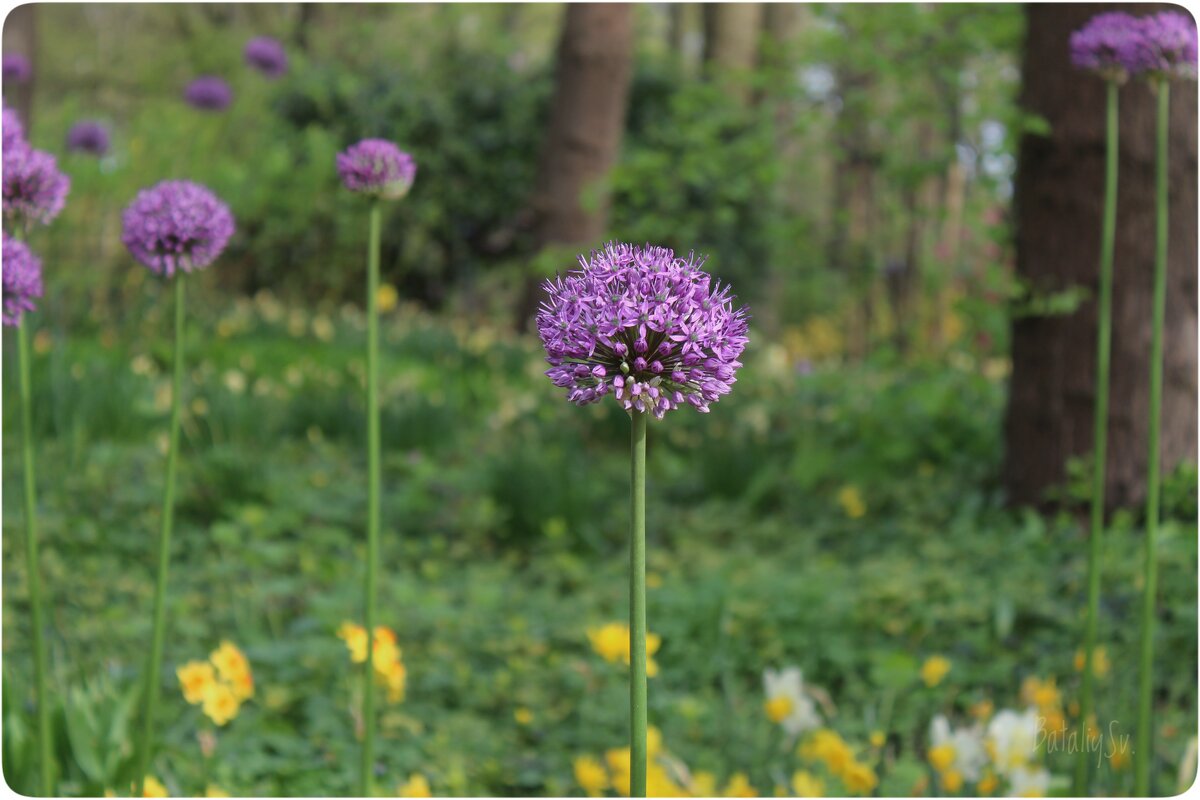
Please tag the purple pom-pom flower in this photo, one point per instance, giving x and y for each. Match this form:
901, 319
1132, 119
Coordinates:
208, 93
377, 167
34, 189
88, 137
1166, 46
22, 279
13, 131
176, 225
652, 329
267, 56
15, 68
1106, 45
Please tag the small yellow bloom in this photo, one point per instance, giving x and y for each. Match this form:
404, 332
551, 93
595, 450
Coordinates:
704, 784
387, 298
151, 787
196, 678
396, 681
618, 762
778, 708
934, 670
415, 786
355, 637
523, 716
1120, 756
952, 781
827, 746
231, 664
859, 778
215, 791
1100, 663
590, 775
987, 784
941, 758
805, 784
1043, 694
851, 501
878, 739
611, 641
739, 786
982, 710
220, 704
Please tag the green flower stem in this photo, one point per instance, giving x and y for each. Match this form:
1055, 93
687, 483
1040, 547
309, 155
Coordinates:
1100, 433
637, 608
45, 756
1146, 673
373, 486
154, 666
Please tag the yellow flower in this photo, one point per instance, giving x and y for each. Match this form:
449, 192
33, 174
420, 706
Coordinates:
1099, 661
878, 739
386, 298
704, 784
220, 704
523, 716
859, 778
653, 741
1120, 756
952, 781
982, 710
611, 641
231, 664
987, 784
805, 784
1043, 694
215, 791
941, 758
243, 686
415, 786
659, 782
778, 708
396, 681
851, 501
196, 678
618, 767
934, 670
739, 786
355, 637
590, 775
151, 787
827, 746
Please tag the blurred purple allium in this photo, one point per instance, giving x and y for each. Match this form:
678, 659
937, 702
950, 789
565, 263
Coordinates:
34, 188
208, 93
1166, 46
267, 56
653, 329
88, 137
176, 225
13, 130
22, 279
377, 167
1106, 45
16, 68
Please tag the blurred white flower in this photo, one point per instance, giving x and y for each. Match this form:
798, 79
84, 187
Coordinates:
970, 753
787, 702
1012, 737
1028, 782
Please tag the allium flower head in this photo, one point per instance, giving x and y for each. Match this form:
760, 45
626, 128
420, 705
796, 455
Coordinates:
34, 188
208, 93
88, 137
377, 167
651, 328
176, 225
267, 56
22, 279
13, 130
1166, 46
16, 68
1106, 44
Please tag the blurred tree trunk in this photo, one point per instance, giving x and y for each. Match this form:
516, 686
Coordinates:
306, 18
731, 32
20, 36
1058, 202
587, 119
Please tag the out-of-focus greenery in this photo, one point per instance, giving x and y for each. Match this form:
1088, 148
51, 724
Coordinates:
843, 520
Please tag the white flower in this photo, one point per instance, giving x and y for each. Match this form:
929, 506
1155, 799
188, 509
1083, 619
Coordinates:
970, 754
1028, 782
1012, 737
788, 703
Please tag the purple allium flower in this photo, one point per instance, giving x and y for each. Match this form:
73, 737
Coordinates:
653, 329
88, 137
34, 188
16, 68
1166, 46
13, 130
208, 93
22, 279
176, 225
377, 167
267, 56
1106, 44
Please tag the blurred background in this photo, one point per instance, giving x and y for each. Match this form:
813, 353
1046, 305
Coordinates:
908, 198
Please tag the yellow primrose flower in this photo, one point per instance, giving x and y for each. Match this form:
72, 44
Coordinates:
851, 501
934, 670
1100, 663
215, 791
659, 782
396, 682
415, 786
196, 678
355, 637
653, 741
778, 708
805, 784
739, 786
220, 704
610, 641
618, 762
704, 784
878, 739
1043, 694
151, 787
1119, 759
952, 781
523, 716
387, 298
590, 775
987, 784
941, 758
827, 746
231, 664
859, 778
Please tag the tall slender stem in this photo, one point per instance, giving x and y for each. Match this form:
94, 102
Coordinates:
373, 486
154, 665
1100, 433
45, 757
637, 607
1150, 588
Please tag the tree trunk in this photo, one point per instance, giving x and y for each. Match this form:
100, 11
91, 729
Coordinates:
587, 119
731, 32
1058, 201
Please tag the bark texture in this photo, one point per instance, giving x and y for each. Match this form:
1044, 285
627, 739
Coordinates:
731, 34
1058, 203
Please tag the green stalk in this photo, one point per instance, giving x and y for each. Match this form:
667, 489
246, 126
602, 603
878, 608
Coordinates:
154, 666
1146, 676
1100, 433
637, 608
45, 757
373, 486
